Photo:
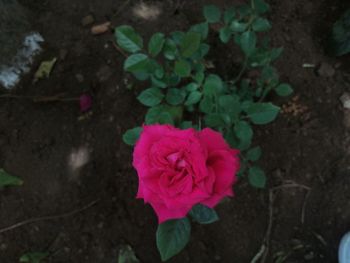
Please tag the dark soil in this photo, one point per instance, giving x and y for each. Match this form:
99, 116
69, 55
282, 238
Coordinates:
36, 140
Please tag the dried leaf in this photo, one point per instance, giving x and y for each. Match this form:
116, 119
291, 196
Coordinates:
45, 69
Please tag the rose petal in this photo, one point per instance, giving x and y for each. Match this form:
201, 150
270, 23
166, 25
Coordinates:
85, 102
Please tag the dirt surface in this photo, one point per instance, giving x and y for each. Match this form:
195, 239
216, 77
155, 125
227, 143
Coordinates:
307, 151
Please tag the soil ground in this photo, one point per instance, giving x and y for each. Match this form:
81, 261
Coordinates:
37, 139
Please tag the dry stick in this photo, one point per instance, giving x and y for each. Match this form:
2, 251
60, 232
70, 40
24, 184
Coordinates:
44, 218
53, 98
119, 50
264, 249
122, 8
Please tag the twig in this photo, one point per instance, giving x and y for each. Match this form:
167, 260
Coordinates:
122, 7
264, 249
44, 218
118, 49
53, 98
304, 207
240, 74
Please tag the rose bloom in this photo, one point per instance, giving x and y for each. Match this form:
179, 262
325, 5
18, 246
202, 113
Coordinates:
178, 169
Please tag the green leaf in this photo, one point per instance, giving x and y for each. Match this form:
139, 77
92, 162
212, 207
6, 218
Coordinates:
182, 68
137, 63
276, 53
230, 104
203, 214
158, 83
128, 39
164, 114
199, 77
238, 27
9, 180
284, 90
132, 135
214, 120
193, 98
202, 28
262, 113
156, 44
206, 105
213, 85
244, 10
191, 87
340, 40
127, 255
177, 36
186, 125
261, 25
248, 42
190, 44
175, 96
170, 49
254, 154
151, 97
244, 133
257, 177
33, 257
261, 6
225, 34
172, 237
212, 13
229, 15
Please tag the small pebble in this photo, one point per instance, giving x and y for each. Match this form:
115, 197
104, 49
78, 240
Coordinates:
326, 70
79, 77
87, 20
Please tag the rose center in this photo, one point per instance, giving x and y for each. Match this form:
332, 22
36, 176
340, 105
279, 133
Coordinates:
177, 161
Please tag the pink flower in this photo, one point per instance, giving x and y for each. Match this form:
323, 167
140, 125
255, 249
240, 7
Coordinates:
178, 169
85, 102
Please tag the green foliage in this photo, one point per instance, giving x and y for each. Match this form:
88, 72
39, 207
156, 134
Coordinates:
156, 44
181, 89
256, 177
340, 40
172, 237
127, 255
203, 214
212, 13
8, 180
131, 136
128, 39
33, 257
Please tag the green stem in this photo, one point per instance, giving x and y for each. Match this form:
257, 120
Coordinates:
240, 74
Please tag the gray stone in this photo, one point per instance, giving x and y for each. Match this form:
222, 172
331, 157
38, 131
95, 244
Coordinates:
326, 70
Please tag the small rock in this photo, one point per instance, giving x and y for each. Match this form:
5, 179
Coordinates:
87, 20
345, 100
104, 73
326, 70
79, 77
309, 256
3, 246
101, 28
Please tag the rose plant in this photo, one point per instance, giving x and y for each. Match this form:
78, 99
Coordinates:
187, 170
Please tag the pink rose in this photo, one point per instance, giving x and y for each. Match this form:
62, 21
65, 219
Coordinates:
178, 169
